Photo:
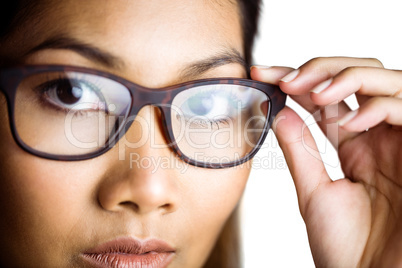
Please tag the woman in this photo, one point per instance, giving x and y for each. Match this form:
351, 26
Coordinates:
106, 207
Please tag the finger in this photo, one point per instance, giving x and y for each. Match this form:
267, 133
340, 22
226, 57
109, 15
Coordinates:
271, 75
366, 81
372, 113
317, 70
362, 99
302, 155
327, 118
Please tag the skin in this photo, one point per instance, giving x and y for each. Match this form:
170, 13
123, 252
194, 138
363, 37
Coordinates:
353, 222
52, 210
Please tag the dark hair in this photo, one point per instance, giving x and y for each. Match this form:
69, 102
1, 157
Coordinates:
250, 13
12, 13
8, 12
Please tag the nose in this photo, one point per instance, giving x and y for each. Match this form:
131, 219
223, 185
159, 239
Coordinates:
143, 181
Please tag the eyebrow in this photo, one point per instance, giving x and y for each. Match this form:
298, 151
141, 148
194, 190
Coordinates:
95, 54
226, 56
86, 50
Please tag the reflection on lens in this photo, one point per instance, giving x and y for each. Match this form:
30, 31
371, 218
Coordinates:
219, 123
69, 113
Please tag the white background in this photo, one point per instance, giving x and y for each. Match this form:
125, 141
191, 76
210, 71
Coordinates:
291, 33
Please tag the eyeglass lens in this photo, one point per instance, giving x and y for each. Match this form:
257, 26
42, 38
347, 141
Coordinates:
219, 123
73, 113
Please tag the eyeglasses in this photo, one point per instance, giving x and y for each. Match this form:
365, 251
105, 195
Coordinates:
74, 113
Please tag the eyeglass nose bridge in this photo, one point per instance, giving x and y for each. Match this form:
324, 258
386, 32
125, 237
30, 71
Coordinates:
158, 98
146, 96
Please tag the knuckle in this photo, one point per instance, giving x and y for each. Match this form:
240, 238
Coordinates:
315, 62
375, 102
397, 83
398, 92
317, 65
399, 73
376, 62
350, 72
353, 69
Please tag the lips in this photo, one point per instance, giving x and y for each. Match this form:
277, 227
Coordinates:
129, 252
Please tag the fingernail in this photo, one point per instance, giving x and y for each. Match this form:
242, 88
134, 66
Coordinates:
290, 76
347, 117
261, 67
321, 86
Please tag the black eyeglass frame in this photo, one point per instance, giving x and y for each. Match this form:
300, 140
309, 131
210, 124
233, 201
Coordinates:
10, 78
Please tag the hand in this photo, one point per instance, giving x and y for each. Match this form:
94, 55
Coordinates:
356, 221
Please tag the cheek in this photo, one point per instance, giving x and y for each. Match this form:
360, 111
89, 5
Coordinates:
217, 190
211, 196
51, 205
36, 207
39, 207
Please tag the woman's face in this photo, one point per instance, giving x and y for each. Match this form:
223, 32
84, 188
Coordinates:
54, 211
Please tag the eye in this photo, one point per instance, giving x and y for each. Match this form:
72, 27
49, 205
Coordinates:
72, 94
68, 93
200, 105
210, 104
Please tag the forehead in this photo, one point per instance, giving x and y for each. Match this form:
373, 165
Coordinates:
162, 32
142, 24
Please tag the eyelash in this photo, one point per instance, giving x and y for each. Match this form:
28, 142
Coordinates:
41, 90
205, 122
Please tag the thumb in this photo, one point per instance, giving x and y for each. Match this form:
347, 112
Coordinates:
271, 75
301, 154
